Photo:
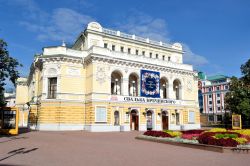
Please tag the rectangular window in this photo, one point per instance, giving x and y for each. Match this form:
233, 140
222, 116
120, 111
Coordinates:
163, 57
218, 108
219, 118
143, 53
211, 118
52, 86
191, 117
209, 89
113, 47
210, 109
122, 49
105, 45
150, 55
169, 58
210, 96
217, 88
226, 87
156, 56
126, 117
129, 50
136, 52
218, 101
210, 102
100, 114
218, 94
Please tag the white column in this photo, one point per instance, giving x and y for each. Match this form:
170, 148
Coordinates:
171, 92
125, 86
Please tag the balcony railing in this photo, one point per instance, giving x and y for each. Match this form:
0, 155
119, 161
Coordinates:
137, 38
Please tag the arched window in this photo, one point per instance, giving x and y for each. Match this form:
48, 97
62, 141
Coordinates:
164, 88
116, 82
133, 84
177, 89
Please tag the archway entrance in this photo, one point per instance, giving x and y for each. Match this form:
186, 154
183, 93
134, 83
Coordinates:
149, 120
134, 120
164, 120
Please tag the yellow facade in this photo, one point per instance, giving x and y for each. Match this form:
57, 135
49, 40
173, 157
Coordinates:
96, 85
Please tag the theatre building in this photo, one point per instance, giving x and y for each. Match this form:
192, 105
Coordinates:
110, 81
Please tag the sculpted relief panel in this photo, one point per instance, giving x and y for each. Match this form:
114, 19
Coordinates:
101, 74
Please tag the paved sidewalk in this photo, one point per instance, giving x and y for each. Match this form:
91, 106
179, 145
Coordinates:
105, 149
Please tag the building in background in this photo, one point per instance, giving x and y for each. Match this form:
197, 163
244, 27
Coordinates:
110, 81
212, 91
10, 98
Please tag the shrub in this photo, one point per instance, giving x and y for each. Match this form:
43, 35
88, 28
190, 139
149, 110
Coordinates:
246, 137
193, 131
157, 134
229, 142
173, 133
241, 140
209, 138
217, 130
243, 131
190, 136
219, 136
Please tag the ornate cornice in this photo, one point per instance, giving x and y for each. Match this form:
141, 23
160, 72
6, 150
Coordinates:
97, 58
61, 58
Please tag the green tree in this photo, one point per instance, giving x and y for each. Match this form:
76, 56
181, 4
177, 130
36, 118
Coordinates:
8, 69
245, 70
238, 99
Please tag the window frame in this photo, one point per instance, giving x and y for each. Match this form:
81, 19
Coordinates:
122, 49
191, 122
106, 118
129, 50
136, 52
143, 53
150, 55
49, 88
105, 45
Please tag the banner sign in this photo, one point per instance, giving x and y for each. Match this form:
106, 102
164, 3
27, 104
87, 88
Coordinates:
143, 100
236, 121
150, 84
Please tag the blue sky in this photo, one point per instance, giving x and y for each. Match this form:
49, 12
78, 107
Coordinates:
215, 33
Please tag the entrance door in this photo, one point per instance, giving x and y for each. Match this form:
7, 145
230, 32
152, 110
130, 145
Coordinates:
134, 124
164, 121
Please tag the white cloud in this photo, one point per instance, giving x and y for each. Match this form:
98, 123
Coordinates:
192, 58
64, 24
60, 24
141, 24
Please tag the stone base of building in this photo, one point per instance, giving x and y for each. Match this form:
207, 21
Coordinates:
184, 127
58, 127
107, 127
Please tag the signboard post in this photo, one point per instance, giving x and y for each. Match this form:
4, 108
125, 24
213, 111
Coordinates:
9, 120
236, 121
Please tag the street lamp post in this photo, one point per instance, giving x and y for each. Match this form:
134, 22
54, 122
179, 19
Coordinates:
133, 86
164, 91
116, 82
177, 92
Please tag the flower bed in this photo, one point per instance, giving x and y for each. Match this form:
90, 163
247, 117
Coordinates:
216, 136
157, 134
